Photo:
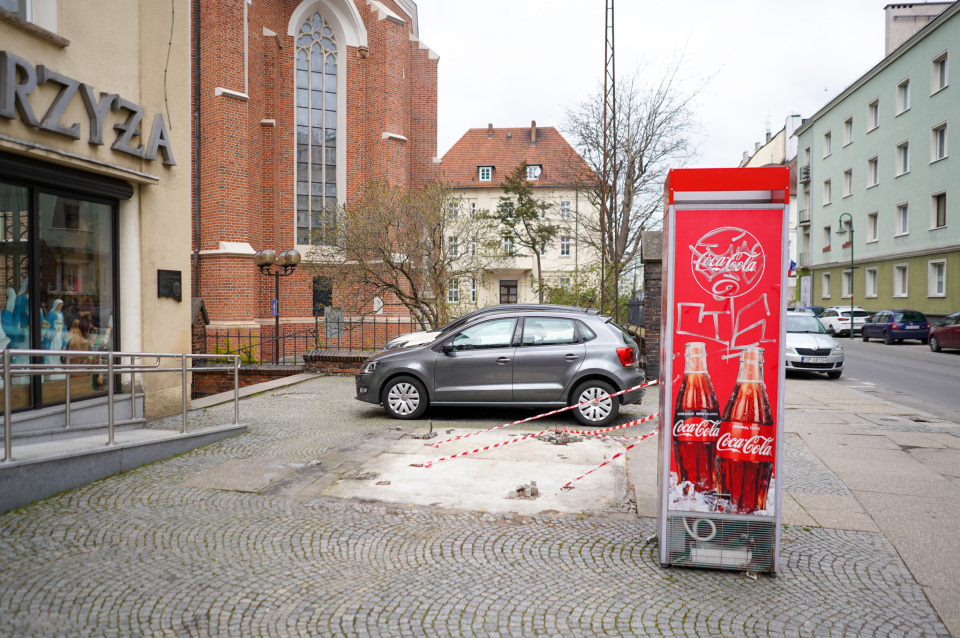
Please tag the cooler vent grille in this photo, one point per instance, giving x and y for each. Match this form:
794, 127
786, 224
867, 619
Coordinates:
721, 543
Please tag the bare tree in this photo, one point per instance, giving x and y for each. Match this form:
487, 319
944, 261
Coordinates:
415, 246
522, 219
650, 136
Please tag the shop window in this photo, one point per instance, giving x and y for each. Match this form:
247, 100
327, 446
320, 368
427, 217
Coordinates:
317, 119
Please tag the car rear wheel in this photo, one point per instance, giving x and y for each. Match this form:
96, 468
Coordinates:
602, 409
405, 398
835, 374
934, 344
887, 339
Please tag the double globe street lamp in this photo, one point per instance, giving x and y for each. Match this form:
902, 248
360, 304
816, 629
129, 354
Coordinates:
843, 231
277, 266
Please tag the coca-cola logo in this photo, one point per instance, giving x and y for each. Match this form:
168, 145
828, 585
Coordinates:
698, 429
757, 446
727, 262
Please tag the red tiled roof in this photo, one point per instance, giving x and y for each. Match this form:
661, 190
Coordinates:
504, 149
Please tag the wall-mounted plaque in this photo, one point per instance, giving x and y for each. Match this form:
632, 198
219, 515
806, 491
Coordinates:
168, 284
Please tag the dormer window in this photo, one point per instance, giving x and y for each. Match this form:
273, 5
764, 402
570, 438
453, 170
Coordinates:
533, 172
485, 173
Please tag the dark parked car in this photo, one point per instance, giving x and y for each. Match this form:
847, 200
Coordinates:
896, 325
946, 334
544, 359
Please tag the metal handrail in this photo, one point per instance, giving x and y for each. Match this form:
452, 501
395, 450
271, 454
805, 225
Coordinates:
111, 368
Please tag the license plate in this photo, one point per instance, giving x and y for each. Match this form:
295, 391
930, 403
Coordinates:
813, 359
912, 327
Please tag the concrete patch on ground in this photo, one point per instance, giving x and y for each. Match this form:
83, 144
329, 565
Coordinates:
242, 475
484, 481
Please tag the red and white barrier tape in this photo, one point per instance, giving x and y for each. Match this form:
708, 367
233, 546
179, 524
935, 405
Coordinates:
615, 427
540, 416
479, 449
569, 486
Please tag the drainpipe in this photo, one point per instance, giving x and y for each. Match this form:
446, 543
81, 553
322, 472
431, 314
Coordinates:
195, 287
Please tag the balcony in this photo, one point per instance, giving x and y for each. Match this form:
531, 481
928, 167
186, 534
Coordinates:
803, 217
803, 260
805, 174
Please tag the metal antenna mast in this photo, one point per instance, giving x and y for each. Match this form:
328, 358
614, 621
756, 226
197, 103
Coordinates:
607, 189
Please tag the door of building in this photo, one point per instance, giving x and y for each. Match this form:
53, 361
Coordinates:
508, 291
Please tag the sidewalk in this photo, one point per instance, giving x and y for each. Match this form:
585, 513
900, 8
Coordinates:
855, 463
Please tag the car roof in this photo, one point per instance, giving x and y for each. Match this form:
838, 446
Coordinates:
530, 311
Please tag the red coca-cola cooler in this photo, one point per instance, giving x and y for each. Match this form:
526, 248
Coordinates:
725, 264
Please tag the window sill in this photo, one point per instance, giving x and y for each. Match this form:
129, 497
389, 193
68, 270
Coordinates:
906, 110
936, 296
875, 184
826, 204
941, 89
939, 159
870, 296
872, 241
938, 227
901, 174
826, 249
847, 195
40, 32
901, 235
873, 129
846, 244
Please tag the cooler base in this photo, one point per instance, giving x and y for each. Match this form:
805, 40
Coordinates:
720, 542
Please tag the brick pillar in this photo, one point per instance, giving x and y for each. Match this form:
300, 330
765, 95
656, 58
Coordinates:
652, 255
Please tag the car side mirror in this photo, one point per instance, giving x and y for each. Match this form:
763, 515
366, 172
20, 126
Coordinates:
447, 346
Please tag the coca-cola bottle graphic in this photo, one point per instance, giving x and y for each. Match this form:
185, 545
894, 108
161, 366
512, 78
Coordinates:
746, 444
696, 421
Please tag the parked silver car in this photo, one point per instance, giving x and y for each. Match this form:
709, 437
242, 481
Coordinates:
810, 348
535, 359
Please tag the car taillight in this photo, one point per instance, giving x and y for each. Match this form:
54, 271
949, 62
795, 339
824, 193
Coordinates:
894, 326
627, 357
844, 319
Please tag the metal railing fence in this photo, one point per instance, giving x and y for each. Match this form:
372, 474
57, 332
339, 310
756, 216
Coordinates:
112, 367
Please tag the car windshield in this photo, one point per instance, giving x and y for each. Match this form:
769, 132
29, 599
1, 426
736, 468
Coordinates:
804, 323
909, 316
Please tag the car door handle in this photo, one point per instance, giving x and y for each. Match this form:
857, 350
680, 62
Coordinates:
571, 357
503, 360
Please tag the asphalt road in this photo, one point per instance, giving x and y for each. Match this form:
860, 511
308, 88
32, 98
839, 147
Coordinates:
906, 372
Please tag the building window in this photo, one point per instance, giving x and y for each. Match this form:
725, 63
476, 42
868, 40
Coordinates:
564, 283
807, 202
473, 289
873, 171
848, 182
938, 210
825, 285
901, 274
453, 290
827, 192
903, 96
43, 13
873, 115
938, 142
485, 173
564, 210
473, 209
453, 211
533, 172
938, 73
316, 133
453, 246
902, 220
826, 238
870, 283
827, 143
847, 131
508, 210
903, 158
873, 230
473, 246
565, 246
937, 278
322, 295
846, 284
543, 212
806, 156
508, 246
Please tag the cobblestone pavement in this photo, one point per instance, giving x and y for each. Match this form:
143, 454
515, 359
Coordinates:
142, 554
804, 473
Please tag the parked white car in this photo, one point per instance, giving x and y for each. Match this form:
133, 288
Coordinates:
809, 348
836, 320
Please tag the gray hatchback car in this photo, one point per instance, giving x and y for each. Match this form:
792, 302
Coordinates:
534, 359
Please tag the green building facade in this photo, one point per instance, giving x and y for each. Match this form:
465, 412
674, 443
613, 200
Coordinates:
878, 155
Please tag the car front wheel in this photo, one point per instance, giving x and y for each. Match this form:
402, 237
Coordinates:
405, 398
602, 409
864, 336
934, 344
835, 374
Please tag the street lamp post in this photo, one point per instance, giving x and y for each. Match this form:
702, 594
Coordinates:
842, 231
277, 266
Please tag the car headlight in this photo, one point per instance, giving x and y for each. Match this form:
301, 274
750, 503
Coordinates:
393, 345
791, 350
837, 349
370, 367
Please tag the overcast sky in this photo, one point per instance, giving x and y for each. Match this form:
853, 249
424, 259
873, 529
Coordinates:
512, 61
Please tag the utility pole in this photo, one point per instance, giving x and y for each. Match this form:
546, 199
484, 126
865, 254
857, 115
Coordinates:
607, 190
